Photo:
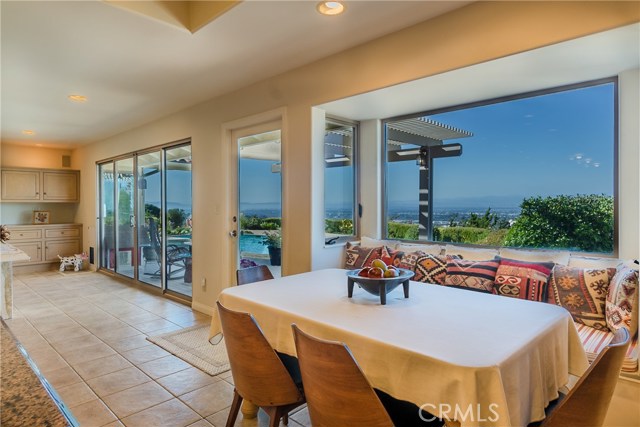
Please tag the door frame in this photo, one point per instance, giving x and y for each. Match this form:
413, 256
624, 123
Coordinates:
269, 120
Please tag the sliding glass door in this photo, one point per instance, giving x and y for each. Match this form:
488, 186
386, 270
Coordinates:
125, 220
145, 217
149, 216
177, 206
107, 216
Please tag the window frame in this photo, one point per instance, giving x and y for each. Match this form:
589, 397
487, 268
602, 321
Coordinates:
530, 94
355, 162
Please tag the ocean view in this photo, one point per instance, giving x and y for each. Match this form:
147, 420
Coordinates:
442, 215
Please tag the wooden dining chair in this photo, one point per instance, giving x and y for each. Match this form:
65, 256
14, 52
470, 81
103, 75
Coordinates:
253, 274
258, 373
587, 402
337, 392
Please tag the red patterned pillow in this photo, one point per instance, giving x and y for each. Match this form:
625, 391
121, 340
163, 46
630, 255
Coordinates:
358, 256
474, 275
583, 292
391, 256
521, 279
621, 306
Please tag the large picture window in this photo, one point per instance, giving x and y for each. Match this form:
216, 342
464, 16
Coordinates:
535, 170
340, 180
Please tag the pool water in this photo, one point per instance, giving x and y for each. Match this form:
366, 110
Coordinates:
252, 244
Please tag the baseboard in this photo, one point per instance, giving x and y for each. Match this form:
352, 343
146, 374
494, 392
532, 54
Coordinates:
202, 308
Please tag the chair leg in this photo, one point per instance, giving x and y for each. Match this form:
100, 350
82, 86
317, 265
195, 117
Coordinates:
285, 418
235, 408
274, 415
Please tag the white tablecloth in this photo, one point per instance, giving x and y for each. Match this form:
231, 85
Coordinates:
500, 360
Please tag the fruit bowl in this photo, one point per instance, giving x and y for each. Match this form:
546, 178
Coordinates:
380, 286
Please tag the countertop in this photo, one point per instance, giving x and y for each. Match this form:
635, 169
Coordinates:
25, 400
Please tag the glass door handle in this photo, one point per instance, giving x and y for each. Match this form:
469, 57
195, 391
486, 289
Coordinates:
233, 233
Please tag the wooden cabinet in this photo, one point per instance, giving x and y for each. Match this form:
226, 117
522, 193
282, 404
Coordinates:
43, 243
33, 249
22, 185
40, 185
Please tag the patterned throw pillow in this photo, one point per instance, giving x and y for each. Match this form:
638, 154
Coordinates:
583, 292
621, 307
359, 256
474, 275
522, 279
431, 269
410, 259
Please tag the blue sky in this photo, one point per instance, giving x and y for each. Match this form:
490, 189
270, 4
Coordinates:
528, 147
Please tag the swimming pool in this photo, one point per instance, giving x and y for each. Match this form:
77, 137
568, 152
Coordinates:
252, 244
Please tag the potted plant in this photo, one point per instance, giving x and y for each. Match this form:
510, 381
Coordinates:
273, 240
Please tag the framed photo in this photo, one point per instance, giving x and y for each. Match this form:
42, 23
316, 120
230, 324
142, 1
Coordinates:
41, 217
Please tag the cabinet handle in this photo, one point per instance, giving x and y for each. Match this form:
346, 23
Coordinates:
21, 234
37, 193
45, 193
62, 232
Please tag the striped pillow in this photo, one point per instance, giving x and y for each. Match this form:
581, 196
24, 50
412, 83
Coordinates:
473, 275
522, 279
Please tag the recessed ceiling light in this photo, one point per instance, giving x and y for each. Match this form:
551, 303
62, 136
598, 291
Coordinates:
78, 98
330, 7
28, 132
38, 145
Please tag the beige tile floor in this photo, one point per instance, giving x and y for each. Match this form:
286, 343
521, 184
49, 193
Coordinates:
87, 333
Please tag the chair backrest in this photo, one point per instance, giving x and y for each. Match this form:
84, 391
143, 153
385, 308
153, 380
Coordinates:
258, 373
253, 274
587, 402
337, 392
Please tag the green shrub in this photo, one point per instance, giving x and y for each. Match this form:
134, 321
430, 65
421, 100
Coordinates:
338, 226
580, 222
402, 231
460, 234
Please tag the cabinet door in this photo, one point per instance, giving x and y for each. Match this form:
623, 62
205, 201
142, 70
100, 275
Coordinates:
20, 185
33, 249
62, 248
60, 186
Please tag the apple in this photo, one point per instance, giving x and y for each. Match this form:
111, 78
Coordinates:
376, 272
364, 272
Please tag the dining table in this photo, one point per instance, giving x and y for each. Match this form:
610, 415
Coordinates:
476, 358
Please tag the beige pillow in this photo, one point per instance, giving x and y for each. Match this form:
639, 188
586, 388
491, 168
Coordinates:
558, 257
369, 242
594, 262
472, 254
432, 249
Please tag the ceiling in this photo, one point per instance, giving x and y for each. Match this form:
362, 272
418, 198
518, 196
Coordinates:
134, 69
592, 57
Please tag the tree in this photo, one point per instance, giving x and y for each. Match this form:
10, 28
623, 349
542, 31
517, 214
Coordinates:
176, 217
580, 222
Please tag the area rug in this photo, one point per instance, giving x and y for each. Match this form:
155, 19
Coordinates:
192, 345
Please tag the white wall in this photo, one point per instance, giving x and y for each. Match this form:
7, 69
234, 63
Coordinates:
476, 33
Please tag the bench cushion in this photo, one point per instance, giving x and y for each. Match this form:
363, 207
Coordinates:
622, 300
594, 341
